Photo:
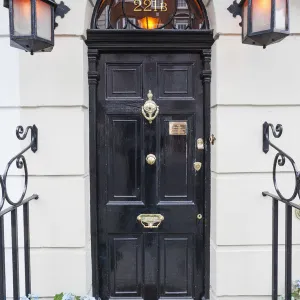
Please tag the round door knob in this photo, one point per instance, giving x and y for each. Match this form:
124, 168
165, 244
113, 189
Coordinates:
150, 159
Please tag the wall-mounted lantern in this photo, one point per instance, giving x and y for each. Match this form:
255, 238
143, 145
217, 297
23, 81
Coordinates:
264, 22
32, 23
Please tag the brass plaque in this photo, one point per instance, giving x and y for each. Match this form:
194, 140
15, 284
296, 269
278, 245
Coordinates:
177, 128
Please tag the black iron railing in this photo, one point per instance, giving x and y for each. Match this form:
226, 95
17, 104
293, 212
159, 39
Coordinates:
12, 209
279, 161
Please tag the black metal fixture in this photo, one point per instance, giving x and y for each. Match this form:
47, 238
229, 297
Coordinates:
123, 14
21, 164
279, 161
12, 210
264, 22
32, 23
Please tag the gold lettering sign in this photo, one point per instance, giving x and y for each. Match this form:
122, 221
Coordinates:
177, 128
148, 5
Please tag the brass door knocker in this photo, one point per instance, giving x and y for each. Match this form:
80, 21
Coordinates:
150, 110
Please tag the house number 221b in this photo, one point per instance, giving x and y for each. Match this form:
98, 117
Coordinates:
162, 6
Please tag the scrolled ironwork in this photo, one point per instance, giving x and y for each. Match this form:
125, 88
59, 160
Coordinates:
280, 160
21, 164
21, 135
277, 132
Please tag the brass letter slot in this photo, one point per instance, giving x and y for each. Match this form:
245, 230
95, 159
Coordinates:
150, 220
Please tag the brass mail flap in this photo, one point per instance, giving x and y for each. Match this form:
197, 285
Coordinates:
150, 220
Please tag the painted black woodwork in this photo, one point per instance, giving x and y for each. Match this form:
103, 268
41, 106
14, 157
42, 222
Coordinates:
118, 41
124, 80
130, 261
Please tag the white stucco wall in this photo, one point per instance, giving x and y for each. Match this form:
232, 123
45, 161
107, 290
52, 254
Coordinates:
249, 86
51, 91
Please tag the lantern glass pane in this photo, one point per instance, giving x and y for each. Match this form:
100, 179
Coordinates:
44, 20
280, 14
261, 15
22, 17
245, 18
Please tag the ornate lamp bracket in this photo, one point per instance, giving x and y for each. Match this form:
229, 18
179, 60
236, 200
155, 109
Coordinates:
60, 11
236, 9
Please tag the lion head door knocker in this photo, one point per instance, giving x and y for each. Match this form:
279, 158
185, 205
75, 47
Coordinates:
150, 109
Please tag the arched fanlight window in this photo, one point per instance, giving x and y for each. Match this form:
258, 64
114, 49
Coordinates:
150, 14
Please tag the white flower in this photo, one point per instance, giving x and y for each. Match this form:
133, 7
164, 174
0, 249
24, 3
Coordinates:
87, 298
68, 296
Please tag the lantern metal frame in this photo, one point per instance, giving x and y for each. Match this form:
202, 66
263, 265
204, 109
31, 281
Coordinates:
58, 9
263, 37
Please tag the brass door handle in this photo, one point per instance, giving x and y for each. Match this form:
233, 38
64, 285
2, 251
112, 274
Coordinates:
197, 166
150, 220
150, 110
150, 159
200, 144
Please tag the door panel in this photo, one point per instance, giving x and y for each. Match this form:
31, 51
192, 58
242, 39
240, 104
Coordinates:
176, 153
175, 80
124, 80
176, 265
138, 262
124, 159
126, 265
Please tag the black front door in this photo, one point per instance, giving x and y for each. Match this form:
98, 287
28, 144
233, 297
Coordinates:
150, 196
